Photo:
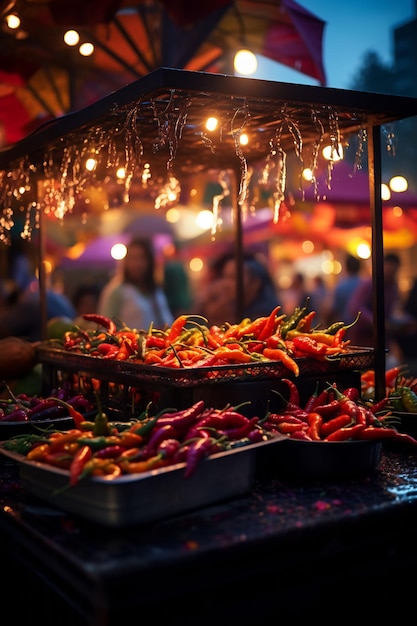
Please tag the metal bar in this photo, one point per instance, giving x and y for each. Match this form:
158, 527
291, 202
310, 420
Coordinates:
238, 225
42, 276
113, 55
378, 295
131, 43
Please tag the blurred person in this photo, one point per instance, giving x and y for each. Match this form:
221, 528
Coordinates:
361, 334
133, 297
259, 292
23, 317
320, 300
295, 295
339, 310
85, 300
176, 285
407, 334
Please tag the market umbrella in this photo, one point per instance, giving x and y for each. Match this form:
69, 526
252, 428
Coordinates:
132, 39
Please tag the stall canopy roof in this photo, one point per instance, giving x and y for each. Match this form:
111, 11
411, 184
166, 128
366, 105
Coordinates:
161, 118
43, 78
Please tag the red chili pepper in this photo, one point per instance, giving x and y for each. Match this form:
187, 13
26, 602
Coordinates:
294, 392
268, 328
287, 428
196, 452
182, 419
81, 457
309, 405
240, 431
301, 434
314, 421
341, 421
168, 448
278, 418
18, 415
379, 406
392, 374
346, 404
222, 419
77, 417
109, 452
346, 432
160, 433
374, 432
59, 459
331, 409
351, 392
305, 323
215, 337
307, 346
101, 320
104, 348
155, 341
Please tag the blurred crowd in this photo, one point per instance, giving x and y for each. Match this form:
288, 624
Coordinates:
139, 296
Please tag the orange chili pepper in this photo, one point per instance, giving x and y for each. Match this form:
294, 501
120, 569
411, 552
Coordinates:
38, 453
128, 439
233, 355
69, 436
139, 467
125, 350
276, 354
79, 460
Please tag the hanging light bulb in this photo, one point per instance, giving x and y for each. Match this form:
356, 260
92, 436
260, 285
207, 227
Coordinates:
245, 62
71, 38
13, 21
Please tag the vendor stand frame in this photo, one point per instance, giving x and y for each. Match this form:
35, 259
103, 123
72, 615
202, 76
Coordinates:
159, 120
338, 533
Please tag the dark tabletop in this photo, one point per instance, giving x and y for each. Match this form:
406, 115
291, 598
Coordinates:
288, 543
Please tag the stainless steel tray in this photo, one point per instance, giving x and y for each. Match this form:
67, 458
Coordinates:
142, 498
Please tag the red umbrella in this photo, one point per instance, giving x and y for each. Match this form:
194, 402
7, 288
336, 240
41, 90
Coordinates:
132, 39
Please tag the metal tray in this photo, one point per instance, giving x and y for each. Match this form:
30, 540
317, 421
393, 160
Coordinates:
323, 460
11, 429
120, 371
147, 497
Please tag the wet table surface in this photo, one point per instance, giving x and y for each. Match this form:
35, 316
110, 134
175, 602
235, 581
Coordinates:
288, 543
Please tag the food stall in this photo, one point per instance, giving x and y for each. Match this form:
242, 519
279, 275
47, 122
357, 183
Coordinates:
255, 552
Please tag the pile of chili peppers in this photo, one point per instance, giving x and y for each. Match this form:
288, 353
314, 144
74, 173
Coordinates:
335, 415
190, 342
24, 408
401, 390
101, 448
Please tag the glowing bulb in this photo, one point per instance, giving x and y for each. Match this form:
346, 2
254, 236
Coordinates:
118, 251
13, 21
90, 164
244, 139
363, 250
331, 154
385, 192
245, 62
205, 219
212, 123
307, 174
71, 38
86, 49
398, 184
